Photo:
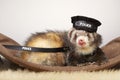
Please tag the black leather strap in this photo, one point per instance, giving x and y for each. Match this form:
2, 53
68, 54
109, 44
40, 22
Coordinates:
36, 49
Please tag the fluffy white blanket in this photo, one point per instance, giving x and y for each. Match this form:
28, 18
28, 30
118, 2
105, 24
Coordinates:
28, 75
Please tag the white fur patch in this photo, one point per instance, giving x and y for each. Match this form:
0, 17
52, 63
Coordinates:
85, 39
82, 35
86, 50
81, 75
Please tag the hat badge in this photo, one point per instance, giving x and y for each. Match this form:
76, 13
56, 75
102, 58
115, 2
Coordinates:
82, 24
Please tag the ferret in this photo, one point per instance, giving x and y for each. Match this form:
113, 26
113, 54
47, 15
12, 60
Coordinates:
48, 39
85, 47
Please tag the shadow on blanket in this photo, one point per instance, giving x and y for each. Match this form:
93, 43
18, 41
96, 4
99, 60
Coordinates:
10, 61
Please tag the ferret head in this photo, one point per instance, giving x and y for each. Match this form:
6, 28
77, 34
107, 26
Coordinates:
85, 42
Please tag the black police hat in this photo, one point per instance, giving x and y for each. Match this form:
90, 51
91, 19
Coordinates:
85, 23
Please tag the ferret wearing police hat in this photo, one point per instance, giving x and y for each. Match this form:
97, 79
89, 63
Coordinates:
82, 41
85, 41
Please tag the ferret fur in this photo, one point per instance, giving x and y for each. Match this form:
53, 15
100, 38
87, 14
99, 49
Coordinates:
90, 52
76, 54
45, 40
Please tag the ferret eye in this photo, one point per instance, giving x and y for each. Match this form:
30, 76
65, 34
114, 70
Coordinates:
88, 35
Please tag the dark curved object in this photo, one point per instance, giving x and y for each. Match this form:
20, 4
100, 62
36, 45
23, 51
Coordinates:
111, 50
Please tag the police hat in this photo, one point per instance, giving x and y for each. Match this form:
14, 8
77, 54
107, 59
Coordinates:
85, 23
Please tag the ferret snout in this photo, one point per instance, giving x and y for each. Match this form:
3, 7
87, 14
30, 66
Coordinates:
82, 40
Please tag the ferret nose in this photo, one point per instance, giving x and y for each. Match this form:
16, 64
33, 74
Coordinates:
81, 42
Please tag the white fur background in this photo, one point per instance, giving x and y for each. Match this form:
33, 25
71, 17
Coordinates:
26, 75
20, 18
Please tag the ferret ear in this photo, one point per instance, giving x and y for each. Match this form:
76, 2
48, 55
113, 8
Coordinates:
70, 32
72, 35
98, 38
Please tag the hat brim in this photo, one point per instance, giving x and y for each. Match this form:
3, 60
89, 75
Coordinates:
113, 59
